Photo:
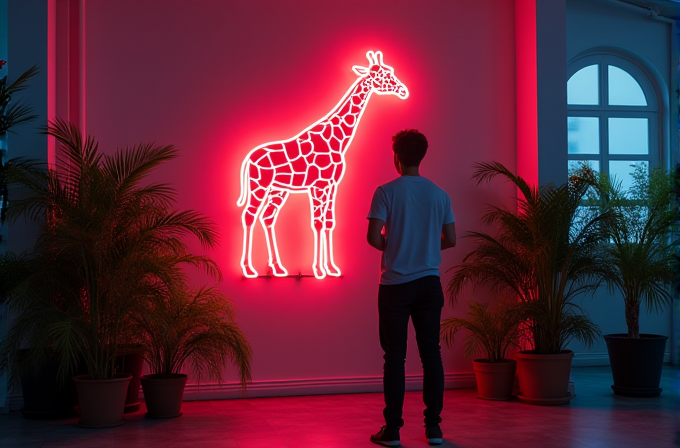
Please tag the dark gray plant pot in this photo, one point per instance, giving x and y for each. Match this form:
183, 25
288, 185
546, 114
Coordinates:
636, 364
45, 397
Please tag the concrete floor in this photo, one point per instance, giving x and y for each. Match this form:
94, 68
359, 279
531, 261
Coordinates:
594, 418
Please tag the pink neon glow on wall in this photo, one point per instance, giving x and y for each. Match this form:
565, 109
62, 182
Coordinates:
527, 94
312, 162
66, 89
217, 79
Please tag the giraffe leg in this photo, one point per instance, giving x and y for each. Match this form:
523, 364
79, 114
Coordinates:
253, 206
275, 200
329, 225
318, 201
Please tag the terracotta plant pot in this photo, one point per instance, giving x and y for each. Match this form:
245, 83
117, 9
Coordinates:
101, 401
494, 379
544, 379
163, 395
636, 364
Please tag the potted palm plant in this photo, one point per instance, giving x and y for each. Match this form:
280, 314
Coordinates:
492, 332
180, 326
639, 263
108, 238
545, 255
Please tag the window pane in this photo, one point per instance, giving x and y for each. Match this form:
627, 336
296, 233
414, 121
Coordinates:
628, 136
620, 170
582, 87
583, 135
593, 164
624, 90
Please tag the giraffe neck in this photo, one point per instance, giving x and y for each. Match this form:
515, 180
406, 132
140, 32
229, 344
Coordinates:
349, 110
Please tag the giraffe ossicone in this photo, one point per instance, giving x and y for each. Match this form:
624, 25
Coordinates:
311, 162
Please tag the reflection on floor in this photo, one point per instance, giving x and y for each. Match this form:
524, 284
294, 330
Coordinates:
594, 418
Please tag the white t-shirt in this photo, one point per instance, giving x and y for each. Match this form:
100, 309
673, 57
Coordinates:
414, 210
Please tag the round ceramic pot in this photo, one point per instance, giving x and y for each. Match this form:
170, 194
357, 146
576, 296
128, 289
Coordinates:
544, 379
131, 362
494, 379
163, 394
636, 364
101, 401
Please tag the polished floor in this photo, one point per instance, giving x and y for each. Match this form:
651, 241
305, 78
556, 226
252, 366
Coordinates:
594, 418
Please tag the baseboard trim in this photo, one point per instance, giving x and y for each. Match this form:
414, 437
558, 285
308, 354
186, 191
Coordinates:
284, 388
14, 403
314, 386
601, 359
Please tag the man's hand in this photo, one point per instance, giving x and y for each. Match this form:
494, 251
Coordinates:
375, 235
448, 235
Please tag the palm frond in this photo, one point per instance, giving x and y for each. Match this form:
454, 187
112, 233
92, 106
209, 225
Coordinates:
110, 244
198, 327
538, 256
491, 332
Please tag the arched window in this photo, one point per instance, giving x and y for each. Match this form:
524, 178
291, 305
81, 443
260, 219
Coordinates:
612, 116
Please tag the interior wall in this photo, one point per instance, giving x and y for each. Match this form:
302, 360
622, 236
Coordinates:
218, 78
593, 24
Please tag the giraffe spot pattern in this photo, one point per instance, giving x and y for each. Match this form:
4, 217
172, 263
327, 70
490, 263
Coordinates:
264, 162
278, 158
312, 175
322, 161
299, 165
266, 177
284, 178
306, 148
336, 157
338, 133
327, 130
329, 172
312, 157
292, 149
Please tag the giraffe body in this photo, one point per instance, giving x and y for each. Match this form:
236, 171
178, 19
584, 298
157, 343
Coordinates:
313, 162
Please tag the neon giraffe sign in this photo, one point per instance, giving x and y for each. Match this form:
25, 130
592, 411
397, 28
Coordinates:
312, 162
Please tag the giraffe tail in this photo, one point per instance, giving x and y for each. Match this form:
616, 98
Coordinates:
244, 182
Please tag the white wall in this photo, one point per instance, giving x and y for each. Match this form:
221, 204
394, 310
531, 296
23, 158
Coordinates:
218, 78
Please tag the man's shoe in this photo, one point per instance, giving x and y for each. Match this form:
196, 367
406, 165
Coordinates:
433, 434
387, 437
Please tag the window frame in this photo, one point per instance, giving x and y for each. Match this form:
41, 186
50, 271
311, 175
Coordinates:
653, 111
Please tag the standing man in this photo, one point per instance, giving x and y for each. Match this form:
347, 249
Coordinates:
411, 222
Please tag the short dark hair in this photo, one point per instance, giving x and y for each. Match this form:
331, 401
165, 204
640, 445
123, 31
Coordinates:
410, 147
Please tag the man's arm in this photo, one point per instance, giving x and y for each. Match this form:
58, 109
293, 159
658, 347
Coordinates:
375, 236
448, 235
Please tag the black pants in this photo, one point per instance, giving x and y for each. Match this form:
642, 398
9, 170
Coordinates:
422, 301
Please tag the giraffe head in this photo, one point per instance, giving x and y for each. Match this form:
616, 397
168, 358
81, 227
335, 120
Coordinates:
383, 81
